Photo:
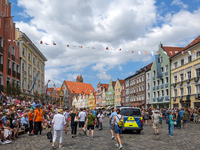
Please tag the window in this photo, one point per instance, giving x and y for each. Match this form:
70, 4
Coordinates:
198, 72
23, 51
182, 62
148, 95
154, 83
158, 82
175, 65
18, 70
198, 89
175, 79
28, 85
23, 87
42, 67
189, 74
162, 81
162, 92
9, 48
154, 94
38, 64
175, 92
166, 80
23, 66
34, 60
166, 68
13, 66
13, 50
167, 92
148, 75
189, 90
181, 92
142, 78
17, 83
158, 93
29, 70
138, 89
189, 58
154, 73
1, 79
162, 69
1, 59
143, 88
33, 73
198, 54
133, 82
142, 96
148, 86
29, 56
181, 77
161, 59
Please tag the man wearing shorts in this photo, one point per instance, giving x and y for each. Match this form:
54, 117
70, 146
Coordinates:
82, 116
111, 125
90, 124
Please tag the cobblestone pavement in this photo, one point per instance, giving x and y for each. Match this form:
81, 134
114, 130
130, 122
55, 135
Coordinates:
183, 139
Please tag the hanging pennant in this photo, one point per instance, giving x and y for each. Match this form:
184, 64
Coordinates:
106, 48
182, 52
46, 43
54, 43
93, 48
139, 52
189, 52
145, 53
120, 49
80, 46
41, 42
67, 45
132, 51
152, 53
9, 40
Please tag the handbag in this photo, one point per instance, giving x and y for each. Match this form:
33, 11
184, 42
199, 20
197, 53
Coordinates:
75, 119
175, 123
49, 135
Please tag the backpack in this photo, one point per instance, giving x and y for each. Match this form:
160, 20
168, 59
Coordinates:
120, 122
167, 120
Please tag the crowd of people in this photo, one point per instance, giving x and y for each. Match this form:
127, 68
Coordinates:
20, 115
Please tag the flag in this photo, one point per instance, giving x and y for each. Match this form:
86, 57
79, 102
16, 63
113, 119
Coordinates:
132, 51
93, 48
120, 49
47, 86
41, 42
54, 43
67, 45
106, 48
28, 42
9, 40
139, 52
152, 53
80, 46
145, 53
182, 52
189, 52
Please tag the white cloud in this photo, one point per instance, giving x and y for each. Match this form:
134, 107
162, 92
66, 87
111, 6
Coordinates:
179, 3
72, 77
126, 24
120, 68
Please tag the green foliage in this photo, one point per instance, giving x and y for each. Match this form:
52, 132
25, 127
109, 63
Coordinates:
13, 89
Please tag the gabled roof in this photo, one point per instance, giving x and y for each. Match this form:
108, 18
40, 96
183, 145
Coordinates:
79, 88
149, 66
105, 85
50, 89
195, 41
172, 51
122, 81
58, 89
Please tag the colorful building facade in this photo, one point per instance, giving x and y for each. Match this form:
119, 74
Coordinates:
118, 89
91, 100
123, 95
110, 94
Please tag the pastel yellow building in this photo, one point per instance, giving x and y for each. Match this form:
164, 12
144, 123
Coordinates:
118, 88
91, 101
185, 76
32, 63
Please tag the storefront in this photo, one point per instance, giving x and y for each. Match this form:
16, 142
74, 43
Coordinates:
185, 104
197, 104
162, 105
175, 105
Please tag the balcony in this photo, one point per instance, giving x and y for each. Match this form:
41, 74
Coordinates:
158, 76
161, 74
166, 73
167, 98
1, 67
9, 71
13, 57
154, 88
181, 83
166, 85
153, 77
174, 98
162, 86
154, 99
158, 98
174, 84
158, 87
188, 97
1, 49
196, 79
181, 97
188, 81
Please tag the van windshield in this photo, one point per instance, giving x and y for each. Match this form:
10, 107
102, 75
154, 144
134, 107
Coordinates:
130, 112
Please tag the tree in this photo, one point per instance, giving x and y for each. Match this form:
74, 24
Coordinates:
9, 89
13, 89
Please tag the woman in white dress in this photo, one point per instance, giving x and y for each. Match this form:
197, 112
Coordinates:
58, 124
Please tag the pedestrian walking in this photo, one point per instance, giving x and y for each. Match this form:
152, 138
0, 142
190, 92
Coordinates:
82, 116
74, 119
149, 115
171, 124
111, 125
58, 123
155, 119
100, 117
178, 120
185, 118
90, 124
118, 129
145, 116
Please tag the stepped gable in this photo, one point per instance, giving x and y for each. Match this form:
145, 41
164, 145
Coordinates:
79, 88
174, 50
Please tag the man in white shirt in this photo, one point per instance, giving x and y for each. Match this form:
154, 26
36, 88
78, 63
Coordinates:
67, 115
82, 116
58, 124
100, 119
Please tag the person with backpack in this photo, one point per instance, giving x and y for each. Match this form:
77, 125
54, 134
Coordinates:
90, 124
155, 119
118, 126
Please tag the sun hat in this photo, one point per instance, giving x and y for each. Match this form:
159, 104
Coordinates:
60, 111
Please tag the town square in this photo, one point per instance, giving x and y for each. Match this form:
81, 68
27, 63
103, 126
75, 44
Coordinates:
89, 74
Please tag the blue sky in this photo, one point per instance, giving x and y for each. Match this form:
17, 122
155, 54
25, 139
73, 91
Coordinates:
126, 24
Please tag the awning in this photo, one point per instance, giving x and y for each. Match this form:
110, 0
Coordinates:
108, 107
98, 107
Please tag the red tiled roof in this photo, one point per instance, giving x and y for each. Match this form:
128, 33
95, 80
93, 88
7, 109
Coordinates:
114, 82
149, 66
50, 89
172, 51
122, 81
58, 89
79, 88
195, 41
105, 85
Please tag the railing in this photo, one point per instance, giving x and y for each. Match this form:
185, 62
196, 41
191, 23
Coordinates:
162, 86
166, 85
